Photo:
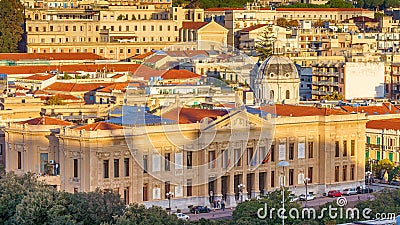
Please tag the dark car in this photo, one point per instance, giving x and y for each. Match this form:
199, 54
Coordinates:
200, 209
365, 190
334, 193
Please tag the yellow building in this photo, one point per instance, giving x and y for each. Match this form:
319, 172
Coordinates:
200, 158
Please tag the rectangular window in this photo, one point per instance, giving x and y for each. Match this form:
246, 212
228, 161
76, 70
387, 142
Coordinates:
291, 151
344, 173
66, 28
344, 148
310, 150
368, 140
353, 148
106, 169
272, 178
126, 167
73, 28
378, 140
189, 158
75, 167
211, 159
144, 28
336, 149
291, 176
152, 28
189, 188
116, 167
310, 174
225, 159
145, 164
167, 161
352, 170
1, 149
238, 158
249, 156
160, 27
19, 160
336, 173
272, 153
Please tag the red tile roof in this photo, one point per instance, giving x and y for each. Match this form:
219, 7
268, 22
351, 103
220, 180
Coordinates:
69, 68
115, 87
75, 87
385, 108
179, 74
321, 9
40, 92
45, 120
143, 56
49, 56
388, 124
296, 110
99, 126
39, 77
247, 29
359, 19
154, 58
190, 115
193, 25
20, 88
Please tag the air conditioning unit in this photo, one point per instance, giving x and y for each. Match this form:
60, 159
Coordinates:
51, 161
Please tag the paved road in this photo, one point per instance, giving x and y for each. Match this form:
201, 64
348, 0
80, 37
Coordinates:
352, 200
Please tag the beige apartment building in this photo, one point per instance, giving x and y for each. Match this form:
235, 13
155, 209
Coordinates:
118, 32
145, 162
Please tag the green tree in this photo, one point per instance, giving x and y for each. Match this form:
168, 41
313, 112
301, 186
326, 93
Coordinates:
378, 15
385, 201
264, 47
54, 100
11, 21
282, 22
391, 3
339, 4
139, 215
246, 212
293, 23
382, 167
394, 174
334, 96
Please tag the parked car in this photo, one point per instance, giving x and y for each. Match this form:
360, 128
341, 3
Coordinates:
334, 193
200, 209
293, 198
309, 197
349, 191
394, 182
182, 216
365, 190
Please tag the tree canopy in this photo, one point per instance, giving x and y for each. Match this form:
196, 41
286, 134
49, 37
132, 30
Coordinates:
11, 22
264, 46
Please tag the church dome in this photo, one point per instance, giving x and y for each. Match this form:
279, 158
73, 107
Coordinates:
277, 67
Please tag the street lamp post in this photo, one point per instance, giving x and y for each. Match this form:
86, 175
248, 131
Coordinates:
241, 188
283, 164
369, 174
306, 180
169, 196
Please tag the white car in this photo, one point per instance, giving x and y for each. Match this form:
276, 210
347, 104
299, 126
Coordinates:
182, 216
309, 197
350, 191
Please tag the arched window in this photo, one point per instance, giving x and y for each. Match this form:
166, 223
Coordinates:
287, 94
271, 94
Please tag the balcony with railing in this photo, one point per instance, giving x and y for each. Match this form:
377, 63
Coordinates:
325, 83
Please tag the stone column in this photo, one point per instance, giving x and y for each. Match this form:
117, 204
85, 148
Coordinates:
230, 196
256, 190
244, 182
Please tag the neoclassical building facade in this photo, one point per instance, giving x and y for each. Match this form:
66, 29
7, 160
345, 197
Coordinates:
204, 155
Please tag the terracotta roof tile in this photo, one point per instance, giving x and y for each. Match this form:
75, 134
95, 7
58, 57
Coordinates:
388, 124
68, 68
45, 120
143, 56
49, 56
115, 87
179, 74
296, 110
39, 77
247, 29
154, 58
321, 9
193, 25
385, 108
190, 115
75, 87
99, 126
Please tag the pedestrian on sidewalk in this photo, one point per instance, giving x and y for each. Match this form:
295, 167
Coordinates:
223, 205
